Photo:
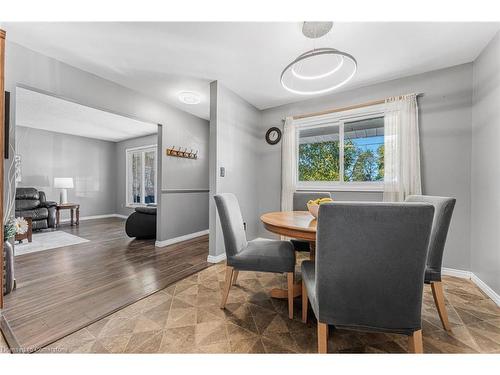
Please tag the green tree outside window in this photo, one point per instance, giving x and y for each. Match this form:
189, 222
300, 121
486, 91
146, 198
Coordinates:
320, 162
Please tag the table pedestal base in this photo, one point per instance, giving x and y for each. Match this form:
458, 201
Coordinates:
283, 293
297, 287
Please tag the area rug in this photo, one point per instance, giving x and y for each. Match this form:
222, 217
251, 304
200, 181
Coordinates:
46, 241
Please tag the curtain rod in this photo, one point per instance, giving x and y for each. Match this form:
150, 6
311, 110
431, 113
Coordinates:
341, 109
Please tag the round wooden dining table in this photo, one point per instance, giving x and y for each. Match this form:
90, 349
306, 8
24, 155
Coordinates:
295, 224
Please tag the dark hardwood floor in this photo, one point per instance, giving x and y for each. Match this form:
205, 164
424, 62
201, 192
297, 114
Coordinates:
59, 291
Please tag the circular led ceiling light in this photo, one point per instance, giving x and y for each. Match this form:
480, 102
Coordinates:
316, 30
189, 97
319, 70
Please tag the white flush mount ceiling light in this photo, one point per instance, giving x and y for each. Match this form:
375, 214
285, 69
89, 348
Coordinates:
319, 70
189, 97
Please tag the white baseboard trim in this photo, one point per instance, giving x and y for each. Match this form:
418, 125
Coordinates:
486, 289
83, 218
216, 258
186, 237
476, 280
456, 273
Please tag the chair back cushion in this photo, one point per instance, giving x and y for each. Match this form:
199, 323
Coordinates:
27, 193
443, 210
370, 262
43, 198
300, 198
27, 199
231, 222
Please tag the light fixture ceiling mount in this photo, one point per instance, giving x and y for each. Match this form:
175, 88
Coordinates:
314, 30
319, 70
189, 97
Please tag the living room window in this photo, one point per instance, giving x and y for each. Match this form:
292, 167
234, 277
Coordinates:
141, 175
341, 152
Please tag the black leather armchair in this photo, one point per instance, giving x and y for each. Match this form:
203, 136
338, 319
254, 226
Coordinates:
32, 203
142, 223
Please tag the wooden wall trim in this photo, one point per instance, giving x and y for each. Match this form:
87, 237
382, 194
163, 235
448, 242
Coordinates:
2, 137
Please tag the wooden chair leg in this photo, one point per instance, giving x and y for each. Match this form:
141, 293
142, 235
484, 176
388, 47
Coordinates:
312, 251
415, 344
227, 286
437, 293
304, 302
322, 338
235, 276
290, 286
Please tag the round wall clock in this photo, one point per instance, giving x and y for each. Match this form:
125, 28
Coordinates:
273, 135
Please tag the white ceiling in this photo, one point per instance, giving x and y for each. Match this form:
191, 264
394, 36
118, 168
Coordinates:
41, 111
161, 59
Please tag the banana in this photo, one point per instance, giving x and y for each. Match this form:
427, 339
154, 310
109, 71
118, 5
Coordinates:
320, 200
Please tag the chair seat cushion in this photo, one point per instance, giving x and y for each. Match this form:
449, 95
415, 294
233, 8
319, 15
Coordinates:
39, 224
40, 213
432, 274
308, 270
263, 255
148, 210
27, 204
300, 245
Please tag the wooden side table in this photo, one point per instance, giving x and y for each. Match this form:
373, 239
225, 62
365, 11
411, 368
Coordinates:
29, 234
74, 207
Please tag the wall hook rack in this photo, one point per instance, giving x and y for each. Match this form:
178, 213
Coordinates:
182, 152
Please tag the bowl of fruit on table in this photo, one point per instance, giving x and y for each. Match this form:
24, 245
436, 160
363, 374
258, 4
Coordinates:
313, 205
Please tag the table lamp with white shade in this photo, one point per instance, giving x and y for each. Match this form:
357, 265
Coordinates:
63, 183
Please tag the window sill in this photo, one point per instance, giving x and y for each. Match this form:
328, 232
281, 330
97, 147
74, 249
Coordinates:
136, 205
347, 188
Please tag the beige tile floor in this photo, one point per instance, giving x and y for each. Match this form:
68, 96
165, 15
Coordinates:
185, 318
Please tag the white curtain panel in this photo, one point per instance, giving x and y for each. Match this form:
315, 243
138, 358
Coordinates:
402, 149
288, 168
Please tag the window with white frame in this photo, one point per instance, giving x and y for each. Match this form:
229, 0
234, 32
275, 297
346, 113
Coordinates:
141, 175
344, 151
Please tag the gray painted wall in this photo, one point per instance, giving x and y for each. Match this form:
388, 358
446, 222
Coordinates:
27, 67
445, 135
121, 170
186, 212
485, 253
234, 131
91, 163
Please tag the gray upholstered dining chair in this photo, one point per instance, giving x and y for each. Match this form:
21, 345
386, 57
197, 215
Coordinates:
369, 269
300, 200
443, 210
260, 255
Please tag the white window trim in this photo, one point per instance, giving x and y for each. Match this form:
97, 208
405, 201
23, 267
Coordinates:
337, 118
144, 149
